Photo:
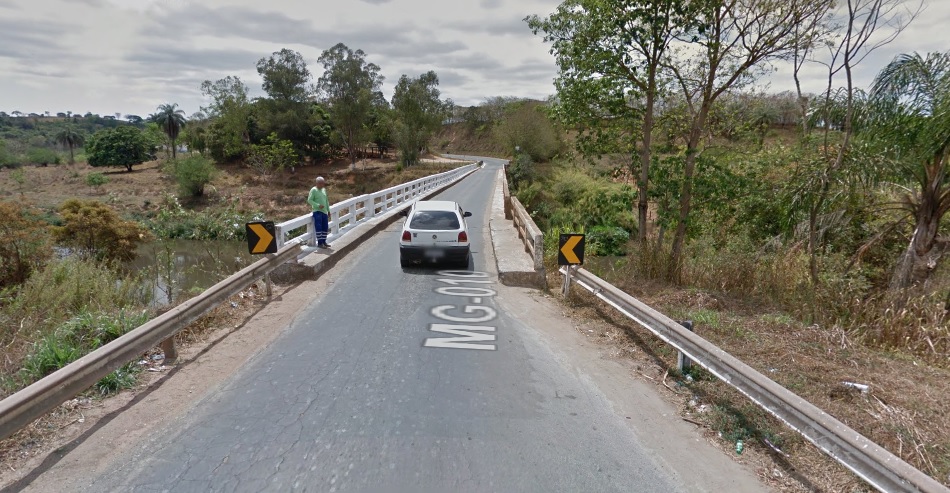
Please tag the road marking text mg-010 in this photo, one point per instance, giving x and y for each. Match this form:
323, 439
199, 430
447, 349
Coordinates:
467, 336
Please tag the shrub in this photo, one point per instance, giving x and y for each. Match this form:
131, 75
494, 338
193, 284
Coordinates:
43, 156
192, 174
606, 240
94, 230
521, 171
174, 221
96, 180
26, 244
273, 154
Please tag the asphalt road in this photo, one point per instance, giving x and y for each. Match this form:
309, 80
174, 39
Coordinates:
400, 380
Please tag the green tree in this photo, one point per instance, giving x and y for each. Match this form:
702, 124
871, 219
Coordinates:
171, 120
42, 156
94, 230
349, 87
121, 146
418, 114
26, 244
527, 127
229, 132
610, 57
271, 155
728, 46
286, 76
911, 99
70, 138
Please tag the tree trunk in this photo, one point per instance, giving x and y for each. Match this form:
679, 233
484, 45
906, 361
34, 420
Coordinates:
925, 249
686, 195
173, 148
643, 184
72, 160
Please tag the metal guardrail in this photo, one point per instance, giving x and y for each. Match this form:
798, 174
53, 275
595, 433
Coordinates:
25, 406
871, 462
345, 215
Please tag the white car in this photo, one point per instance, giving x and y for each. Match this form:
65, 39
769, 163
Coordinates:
434, 231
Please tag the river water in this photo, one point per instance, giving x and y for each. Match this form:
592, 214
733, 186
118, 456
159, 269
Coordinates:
180, 269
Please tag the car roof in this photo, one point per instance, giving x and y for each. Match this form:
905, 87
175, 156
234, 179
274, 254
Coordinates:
436, 205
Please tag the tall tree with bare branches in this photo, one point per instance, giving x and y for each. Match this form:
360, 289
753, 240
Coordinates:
728, 49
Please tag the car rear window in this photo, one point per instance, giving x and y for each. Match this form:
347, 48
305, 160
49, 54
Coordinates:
434, 220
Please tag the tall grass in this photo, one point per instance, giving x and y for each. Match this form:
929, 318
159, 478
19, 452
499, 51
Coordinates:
73, 339
58, 293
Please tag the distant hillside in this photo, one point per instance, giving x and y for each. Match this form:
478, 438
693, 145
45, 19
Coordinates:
461, 138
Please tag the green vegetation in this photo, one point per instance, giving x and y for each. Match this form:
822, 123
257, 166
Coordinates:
351, 86
77, 337
271, 155
192, 173
42, 156
123, 146
96, 180
70, 138
418, 113
171, 120
174, 221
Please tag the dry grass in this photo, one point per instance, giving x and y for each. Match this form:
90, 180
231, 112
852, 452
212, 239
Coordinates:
904, 411
280, 196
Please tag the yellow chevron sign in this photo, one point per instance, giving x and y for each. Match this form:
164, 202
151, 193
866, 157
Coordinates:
570, 249
261, 237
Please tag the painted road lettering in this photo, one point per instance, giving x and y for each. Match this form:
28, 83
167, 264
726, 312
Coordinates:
469, 335
480, 337
441, 312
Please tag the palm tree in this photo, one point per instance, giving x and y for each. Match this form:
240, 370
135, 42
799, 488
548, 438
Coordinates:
912, 103
171, 120
69, 138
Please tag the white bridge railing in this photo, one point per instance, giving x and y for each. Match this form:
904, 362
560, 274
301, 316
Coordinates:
345, 215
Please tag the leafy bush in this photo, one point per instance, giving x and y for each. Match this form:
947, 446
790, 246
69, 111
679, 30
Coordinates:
606, 240
96, 180
94, 230
43, 156
26, 244
521, 171
192, 174
174, 221
272, 155
122, 146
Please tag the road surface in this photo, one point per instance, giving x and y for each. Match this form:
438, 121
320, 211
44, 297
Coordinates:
406, 380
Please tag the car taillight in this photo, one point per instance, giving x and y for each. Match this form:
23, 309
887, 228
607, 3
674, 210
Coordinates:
463, 237
406, 236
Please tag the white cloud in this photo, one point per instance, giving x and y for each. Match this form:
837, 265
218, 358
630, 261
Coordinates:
131, 55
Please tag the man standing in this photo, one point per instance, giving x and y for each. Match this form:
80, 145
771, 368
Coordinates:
321, 212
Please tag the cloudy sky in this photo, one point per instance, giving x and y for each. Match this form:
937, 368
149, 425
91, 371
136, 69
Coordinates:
129, 56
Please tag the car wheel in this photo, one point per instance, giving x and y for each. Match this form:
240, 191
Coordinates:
404, 262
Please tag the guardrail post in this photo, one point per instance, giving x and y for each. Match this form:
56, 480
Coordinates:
683, 362
170, 350
566, 286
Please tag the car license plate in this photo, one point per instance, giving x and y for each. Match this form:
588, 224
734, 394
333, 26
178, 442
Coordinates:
435, 254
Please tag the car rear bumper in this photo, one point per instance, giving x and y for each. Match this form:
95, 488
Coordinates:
434, 254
